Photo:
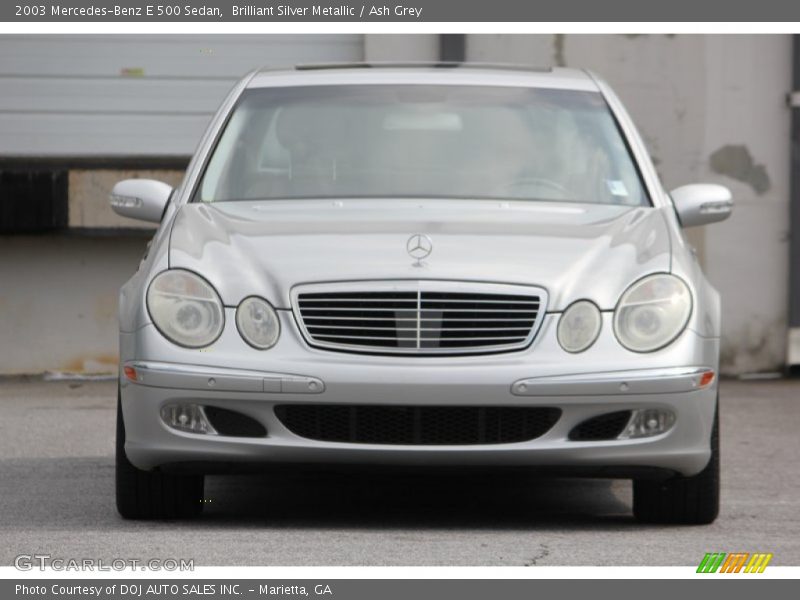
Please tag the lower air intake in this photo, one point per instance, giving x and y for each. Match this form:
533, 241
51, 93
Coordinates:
604, 427
417, 425
234, 424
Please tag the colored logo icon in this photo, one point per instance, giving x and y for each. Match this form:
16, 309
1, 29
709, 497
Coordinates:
736, 562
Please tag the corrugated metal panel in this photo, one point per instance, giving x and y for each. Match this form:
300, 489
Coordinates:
133, 95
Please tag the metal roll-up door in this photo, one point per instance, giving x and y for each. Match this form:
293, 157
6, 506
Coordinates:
107, 96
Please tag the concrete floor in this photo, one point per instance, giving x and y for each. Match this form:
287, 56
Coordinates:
57, 473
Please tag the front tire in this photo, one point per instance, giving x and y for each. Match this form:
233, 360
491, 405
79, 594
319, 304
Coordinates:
153, 494
682, 500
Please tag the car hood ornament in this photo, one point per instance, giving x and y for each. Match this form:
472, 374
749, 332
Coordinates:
419, 246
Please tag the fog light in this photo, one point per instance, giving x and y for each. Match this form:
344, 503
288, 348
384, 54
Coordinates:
187, 417
647, 422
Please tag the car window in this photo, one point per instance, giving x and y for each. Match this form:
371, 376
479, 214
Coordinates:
441, 141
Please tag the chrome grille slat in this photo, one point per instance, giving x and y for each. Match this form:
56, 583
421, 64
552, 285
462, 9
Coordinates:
356, 327
525, 329
413, 302
460, 310
419, 317
356, 337
430, 339
309, 318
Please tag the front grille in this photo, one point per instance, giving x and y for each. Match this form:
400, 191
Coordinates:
417, 425
419, 317
603, 427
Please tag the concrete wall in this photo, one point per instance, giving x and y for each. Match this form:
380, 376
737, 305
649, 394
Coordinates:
711, 108
58, 301
408, 47
133, 95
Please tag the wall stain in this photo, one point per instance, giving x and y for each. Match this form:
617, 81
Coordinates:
736, 162
753, 348
558, 50
105, 307
92, 364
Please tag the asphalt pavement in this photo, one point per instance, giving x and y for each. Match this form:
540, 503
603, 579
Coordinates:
57, 498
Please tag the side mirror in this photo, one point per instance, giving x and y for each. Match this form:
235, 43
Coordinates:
702, 203
143, 199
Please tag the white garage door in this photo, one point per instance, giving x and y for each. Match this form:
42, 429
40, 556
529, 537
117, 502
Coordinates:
133, 95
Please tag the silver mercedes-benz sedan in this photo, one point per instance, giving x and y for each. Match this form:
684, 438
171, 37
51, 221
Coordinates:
420, 265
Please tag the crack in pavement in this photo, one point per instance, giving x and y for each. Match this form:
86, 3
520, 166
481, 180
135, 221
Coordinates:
544, 552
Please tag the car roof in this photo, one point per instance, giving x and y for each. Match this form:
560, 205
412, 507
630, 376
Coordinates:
441, 73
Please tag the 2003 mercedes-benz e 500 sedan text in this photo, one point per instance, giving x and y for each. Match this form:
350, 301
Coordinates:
394, 264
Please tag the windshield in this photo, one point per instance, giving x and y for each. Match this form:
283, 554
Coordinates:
422, 141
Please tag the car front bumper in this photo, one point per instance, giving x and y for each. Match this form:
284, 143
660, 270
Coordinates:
603, 379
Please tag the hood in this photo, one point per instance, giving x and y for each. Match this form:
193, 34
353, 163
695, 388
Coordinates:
574, 251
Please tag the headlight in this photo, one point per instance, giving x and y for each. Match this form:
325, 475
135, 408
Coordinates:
257, 323
579, 326
652, 313
185, 308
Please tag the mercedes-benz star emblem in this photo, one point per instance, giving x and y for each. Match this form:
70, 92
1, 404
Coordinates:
419, 246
